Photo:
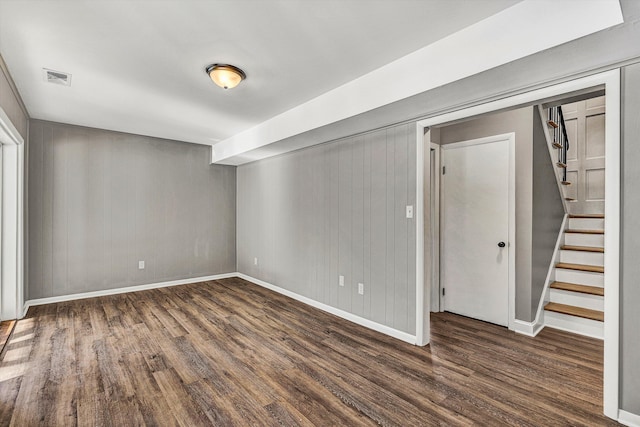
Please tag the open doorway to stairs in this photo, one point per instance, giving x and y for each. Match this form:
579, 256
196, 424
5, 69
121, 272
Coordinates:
573, 297
11, 220
586, 218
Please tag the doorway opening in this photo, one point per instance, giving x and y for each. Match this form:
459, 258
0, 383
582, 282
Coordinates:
477, 228
11, 220
605, 83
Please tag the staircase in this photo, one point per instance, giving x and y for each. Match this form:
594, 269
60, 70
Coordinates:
576, 294
559, 142
573, 299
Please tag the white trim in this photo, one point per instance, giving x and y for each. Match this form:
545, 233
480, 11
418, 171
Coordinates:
403, 336
511, 138
611, 81
513, 244
628, 419
12, 218
530, 329
555, 258
422, 298
435, 244
612, 245
479, 141
124, 290
526, 98
8, 132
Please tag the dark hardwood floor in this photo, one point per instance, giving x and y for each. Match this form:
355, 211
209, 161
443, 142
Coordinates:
231, 353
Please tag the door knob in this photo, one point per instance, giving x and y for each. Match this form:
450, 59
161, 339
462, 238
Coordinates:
502, 244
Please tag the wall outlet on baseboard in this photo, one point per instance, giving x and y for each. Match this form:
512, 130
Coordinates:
255, 261
361, 288
140, 265
341, 280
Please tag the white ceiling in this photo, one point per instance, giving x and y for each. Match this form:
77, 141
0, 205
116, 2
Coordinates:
138, 66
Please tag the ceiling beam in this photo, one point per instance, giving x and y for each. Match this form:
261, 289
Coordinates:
521, 30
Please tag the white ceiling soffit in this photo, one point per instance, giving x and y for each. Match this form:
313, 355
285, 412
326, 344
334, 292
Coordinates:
138, 66
521, 30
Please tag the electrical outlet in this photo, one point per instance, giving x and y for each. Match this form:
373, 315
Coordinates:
341, 280
140, 265
255, 261
361, 288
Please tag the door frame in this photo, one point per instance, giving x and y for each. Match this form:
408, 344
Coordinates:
610, 80
12, 218
435, 226
511, 195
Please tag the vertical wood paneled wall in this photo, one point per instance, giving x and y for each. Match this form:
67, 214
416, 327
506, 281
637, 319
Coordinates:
100, 201
336, 209
630, 242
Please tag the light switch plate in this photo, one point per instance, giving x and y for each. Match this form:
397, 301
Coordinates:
409, 211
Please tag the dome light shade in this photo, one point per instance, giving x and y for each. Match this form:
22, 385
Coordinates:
226, 76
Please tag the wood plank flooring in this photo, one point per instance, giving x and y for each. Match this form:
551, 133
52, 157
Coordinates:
6, 328
231, 353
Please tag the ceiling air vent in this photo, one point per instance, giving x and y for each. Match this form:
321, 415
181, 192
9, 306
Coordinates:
57, 77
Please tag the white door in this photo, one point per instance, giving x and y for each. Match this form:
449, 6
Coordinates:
475, 229
585, 157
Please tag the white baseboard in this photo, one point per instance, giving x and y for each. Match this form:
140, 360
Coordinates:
83, 295
530, 329
628, 419
411, 339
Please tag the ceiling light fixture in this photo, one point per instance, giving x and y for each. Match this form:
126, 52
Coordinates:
226, 76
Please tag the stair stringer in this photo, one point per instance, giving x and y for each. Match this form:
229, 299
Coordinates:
552, 153
538, 323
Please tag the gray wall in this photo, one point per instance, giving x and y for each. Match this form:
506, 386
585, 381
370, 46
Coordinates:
630, 242
548, 213
100, 201
519, 121
10, 102
336, 209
